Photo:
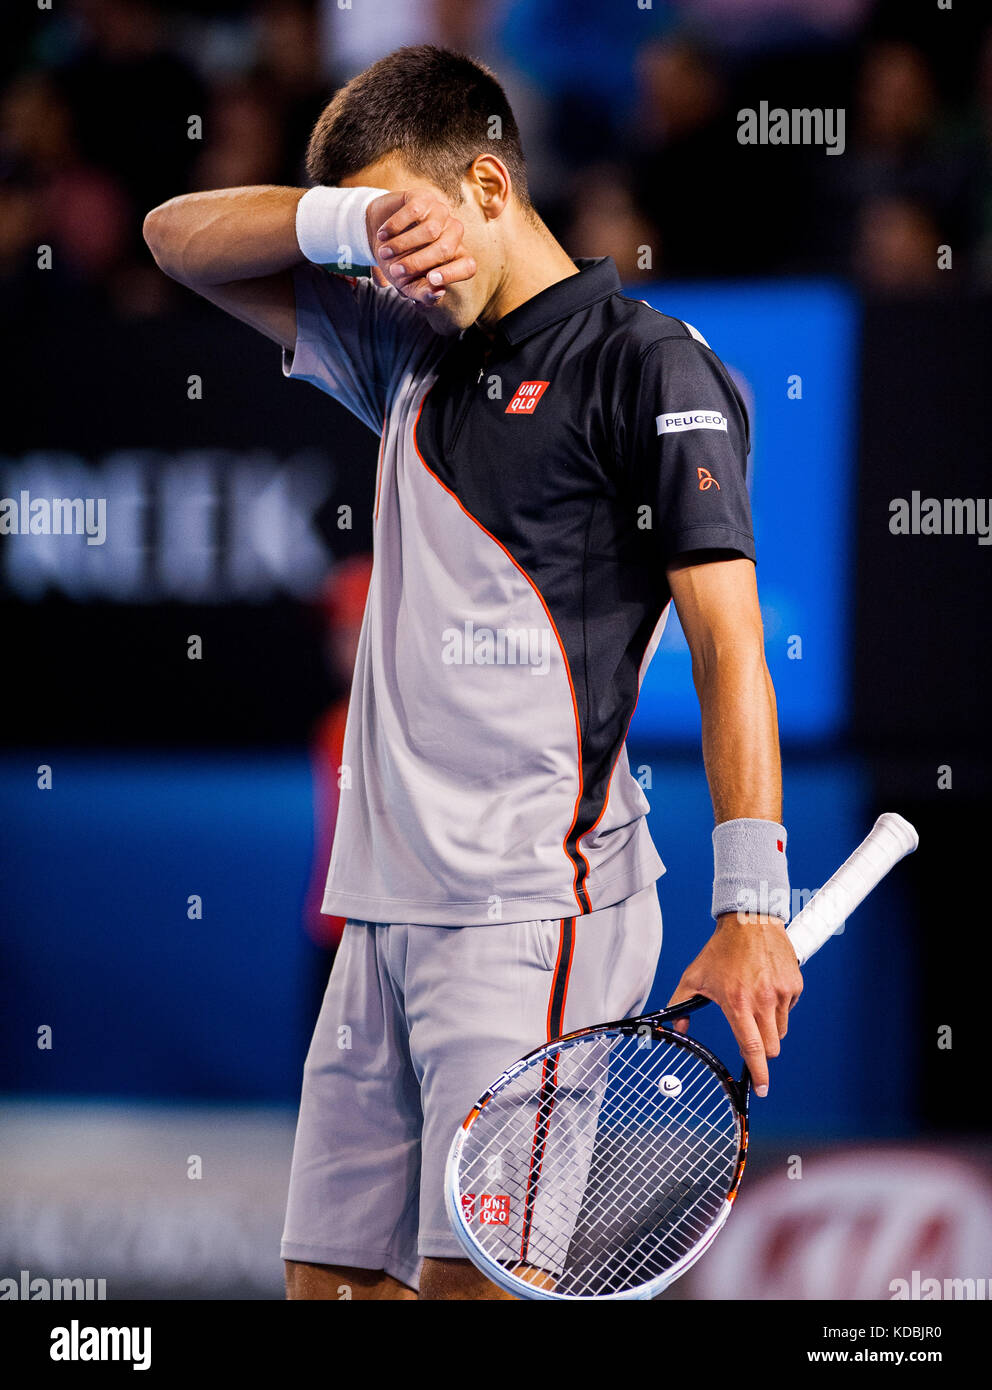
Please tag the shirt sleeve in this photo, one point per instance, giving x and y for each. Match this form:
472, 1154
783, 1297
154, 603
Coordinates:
684, 443
354, 340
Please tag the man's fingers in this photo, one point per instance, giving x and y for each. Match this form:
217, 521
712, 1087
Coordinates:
768, 1028
417, 208
404, 273
683, 993
462, 268
416, 223
424, 286
782, 1019
419, 249
764, 1007
422, 291
752, 1047
445, 233
421, 234
753, 1052
447, 248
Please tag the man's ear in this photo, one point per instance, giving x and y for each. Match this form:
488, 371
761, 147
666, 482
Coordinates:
490, 184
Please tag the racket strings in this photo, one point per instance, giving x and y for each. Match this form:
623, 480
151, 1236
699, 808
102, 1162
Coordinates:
607, 1171
652, 1158
656, 1164
678, 1170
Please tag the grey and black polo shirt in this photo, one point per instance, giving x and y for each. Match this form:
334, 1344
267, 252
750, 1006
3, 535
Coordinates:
532, 485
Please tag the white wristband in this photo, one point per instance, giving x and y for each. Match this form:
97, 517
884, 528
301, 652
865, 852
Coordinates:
330, 226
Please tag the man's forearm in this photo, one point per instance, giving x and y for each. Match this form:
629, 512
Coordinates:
748, 965
740, 734
237, 247
203, 239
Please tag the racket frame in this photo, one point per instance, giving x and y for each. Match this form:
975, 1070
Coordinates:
659, 1021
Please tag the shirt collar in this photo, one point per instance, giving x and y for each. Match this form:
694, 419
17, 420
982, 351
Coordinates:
597, 279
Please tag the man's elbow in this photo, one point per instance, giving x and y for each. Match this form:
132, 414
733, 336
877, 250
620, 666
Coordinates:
739, 651
159, 230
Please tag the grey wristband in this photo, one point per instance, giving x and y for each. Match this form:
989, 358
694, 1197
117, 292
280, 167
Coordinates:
750, 868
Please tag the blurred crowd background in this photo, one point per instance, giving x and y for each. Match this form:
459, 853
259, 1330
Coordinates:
626, 110
162, 953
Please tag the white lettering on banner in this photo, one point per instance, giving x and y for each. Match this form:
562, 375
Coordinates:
198, 525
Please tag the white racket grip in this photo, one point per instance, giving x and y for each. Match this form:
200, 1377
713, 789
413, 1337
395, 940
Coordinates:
888, 841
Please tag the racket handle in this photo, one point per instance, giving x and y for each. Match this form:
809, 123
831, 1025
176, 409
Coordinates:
888, 841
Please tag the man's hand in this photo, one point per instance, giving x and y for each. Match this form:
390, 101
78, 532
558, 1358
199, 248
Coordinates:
749, 968
418, 244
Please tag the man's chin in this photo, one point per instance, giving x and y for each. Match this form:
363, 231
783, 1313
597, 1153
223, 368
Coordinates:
446, 318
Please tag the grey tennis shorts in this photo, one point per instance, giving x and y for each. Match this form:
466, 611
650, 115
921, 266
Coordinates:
416, 1023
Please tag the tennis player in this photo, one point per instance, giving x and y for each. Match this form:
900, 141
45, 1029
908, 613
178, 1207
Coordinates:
558, 464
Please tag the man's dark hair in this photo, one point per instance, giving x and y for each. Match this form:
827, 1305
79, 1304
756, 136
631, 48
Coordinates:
433, 107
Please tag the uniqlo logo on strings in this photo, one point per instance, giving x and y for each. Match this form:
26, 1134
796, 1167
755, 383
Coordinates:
493, 1210
468, 1205
526, 397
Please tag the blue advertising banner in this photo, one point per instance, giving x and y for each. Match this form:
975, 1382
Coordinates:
792, 349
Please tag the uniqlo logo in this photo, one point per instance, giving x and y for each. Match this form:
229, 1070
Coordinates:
526, 397
468, 1205
493, 1210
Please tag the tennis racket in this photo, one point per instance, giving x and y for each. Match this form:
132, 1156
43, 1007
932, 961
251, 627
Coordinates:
604, 1163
